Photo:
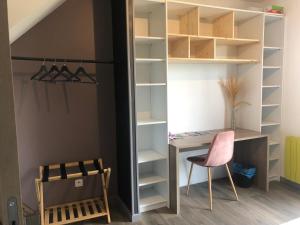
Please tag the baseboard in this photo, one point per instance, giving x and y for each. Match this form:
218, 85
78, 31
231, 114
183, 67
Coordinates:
290, 183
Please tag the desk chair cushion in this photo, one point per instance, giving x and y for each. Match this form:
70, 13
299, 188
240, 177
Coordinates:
199, 160
220, 152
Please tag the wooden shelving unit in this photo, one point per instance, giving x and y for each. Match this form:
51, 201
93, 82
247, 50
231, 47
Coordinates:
271, 89
203, 34
150, 44
173, 32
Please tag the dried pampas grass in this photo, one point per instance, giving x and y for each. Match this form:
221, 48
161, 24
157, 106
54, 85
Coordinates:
232, 87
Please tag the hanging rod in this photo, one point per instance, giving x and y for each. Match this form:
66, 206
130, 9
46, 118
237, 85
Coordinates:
23, 58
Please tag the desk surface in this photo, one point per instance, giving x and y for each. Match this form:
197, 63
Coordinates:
203, 140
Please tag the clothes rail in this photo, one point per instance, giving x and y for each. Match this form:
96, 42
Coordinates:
24, 58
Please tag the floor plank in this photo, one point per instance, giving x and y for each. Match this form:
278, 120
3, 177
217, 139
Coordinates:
255, 207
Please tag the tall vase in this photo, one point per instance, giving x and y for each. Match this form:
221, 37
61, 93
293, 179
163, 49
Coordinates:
233, 118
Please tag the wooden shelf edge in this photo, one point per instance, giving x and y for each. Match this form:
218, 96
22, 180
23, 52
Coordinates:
201, 60
218, 39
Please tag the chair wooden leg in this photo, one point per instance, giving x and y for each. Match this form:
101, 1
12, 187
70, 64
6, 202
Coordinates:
231, 181
209, 188
189, 180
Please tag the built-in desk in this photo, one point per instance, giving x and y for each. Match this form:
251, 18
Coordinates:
250, 148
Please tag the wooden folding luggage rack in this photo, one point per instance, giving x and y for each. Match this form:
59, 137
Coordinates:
74, 211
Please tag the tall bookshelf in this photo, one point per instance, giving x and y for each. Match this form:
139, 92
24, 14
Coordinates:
151, 103
272, 89
171, 32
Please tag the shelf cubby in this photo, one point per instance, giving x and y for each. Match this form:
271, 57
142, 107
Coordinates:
150, 104
271, 114
273, 133
271, 95
148, 18
152, 197
274, 152
202, 48
246, 25
216, 22
152, 173
178, 46
272, 77
274, 30
152, 142
154, 50
273, 58
150, 73
274, 170
239, 52
183, 19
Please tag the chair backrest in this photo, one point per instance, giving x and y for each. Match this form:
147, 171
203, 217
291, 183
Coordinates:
221, 150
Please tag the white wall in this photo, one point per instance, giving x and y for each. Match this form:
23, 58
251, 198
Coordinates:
23, 15
196, 101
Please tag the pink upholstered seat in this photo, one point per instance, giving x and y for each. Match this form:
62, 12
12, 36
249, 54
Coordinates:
220, 152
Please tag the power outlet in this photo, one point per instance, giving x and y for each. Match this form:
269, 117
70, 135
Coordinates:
78, 183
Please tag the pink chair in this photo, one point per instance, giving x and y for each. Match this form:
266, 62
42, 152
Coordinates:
219, 154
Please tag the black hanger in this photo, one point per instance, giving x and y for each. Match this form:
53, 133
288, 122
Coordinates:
52, 72
43, 70
63, 72
82, 71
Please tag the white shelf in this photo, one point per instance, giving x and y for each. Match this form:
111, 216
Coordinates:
150, 84
149, 178
149, 156
274, 177
148, 39
274, 158
272, 48
146, 122
150, 198
271, 67
273, 143
269, 123
270, 105
271, 86
148, 60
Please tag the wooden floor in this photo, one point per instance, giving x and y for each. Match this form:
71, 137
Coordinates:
279, 206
